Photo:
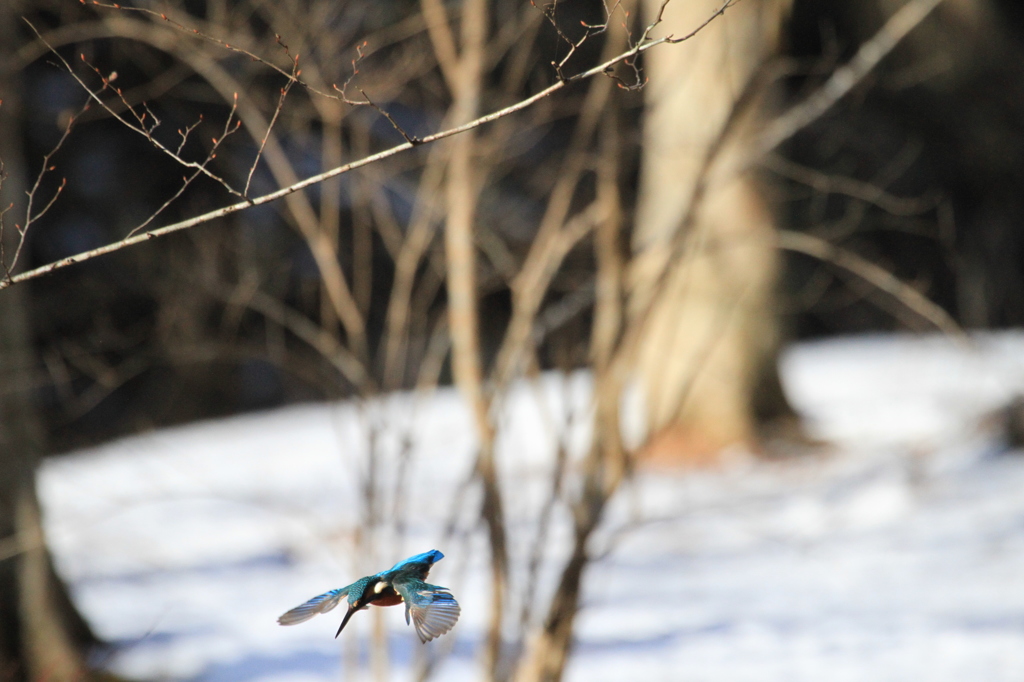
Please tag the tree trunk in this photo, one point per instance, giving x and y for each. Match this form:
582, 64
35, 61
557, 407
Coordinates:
42, 637
706, 357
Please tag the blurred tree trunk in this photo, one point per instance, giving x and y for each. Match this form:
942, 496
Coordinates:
707, 357
42, 637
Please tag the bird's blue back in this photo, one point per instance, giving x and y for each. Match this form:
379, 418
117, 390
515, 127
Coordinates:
419, 563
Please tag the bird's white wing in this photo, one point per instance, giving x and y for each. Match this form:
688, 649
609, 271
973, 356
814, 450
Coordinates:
320, 604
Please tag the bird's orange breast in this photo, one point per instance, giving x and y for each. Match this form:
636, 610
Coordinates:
388, 600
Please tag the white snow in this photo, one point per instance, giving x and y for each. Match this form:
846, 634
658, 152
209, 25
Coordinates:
895, 553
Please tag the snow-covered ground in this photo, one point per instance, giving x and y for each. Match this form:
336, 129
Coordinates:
897, 553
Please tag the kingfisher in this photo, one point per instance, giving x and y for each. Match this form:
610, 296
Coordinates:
432, 607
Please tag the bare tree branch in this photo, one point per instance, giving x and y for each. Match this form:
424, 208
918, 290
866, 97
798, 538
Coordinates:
868, 192
846, 77
879, 277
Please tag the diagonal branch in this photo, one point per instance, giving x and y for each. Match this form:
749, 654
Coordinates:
845, 78
878, 277
320, 177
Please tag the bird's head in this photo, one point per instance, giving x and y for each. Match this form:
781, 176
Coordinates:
371, 591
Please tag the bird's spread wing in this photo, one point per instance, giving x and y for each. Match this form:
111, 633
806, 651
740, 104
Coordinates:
433, 609
321, 604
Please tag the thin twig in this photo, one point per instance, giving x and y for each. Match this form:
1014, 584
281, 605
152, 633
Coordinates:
273, 119
293, 77
187, 181
140, 126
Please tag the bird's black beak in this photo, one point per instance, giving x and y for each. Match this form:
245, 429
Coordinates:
345, 620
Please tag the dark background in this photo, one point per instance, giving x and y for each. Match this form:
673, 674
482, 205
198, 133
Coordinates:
140, 338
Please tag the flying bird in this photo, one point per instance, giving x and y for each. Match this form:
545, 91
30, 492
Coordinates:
433, 608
